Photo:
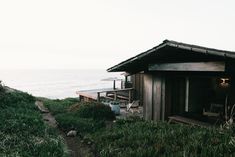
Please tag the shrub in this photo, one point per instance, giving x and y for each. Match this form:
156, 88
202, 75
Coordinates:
95, 111
68, 121
59, 106
16, 99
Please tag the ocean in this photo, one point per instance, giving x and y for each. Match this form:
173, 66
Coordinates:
57, 84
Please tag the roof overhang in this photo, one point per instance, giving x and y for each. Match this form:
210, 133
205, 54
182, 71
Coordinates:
171, 52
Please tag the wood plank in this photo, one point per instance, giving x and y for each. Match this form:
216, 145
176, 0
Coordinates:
189, 66
141, 89
180, 119
163, 99
187, 94
157, 93
147, 96
116, 90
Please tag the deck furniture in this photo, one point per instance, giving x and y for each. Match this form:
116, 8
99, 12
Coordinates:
134, 104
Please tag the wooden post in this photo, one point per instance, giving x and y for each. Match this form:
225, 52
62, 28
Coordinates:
115, 95
147, 97
98, 96
129, 95
163, 98
156, 97
226, 107
114, 84
187, 94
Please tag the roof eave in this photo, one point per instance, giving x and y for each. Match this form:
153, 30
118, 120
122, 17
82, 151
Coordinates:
194, 48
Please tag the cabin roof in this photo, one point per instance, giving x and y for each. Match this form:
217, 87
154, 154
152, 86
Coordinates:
171, 51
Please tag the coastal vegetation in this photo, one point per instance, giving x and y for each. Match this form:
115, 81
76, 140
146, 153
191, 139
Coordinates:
147, 139
81, 116
136, 137
22, 130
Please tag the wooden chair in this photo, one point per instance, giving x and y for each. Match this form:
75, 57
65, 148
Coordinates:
215, 110
134, 104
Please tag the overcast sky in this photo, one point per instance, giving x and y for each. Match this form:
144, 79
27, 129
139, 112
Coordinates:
97, 34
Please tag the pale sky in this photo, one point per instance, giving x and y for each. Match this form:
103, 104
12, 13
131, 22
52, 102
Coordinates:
98, 34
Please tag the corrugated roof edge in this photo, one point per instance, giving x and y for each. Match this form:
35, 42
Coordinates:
194, 48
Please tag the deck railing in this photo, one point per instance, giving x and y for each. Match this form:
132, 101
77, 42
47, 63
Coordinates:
116, 94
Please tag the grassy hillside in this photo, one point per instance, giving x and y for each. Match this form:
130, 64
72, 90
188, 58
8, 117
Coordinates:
139, 138
22, 130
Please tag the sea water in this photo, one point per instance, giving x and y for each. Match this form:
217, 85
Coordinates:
57, 83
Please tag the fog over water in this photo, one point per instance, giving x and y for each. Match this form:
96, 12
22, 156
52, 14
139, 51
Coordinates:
56, 83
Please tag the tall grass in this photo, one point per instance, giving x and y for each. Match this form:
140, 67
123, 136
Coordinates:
139, 138
148, 139
22, 130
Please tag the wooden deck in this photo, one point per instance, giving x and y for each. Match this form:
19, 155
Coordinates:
184, 120
108, 93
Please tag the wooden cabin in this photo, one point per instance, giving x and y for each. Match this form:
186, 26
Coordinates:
175, 78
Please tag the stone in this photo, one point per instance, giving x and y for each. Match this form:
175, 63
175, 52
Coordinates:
72, 133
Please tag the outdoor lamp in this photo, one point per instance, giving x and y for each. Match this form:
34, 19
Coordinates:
224, 82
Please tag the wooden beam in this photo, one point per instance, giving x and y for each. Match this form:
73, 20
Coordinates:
116, 90
147, 97
129, 96
187, 94
157, 97
163, 98
188, 66
115, 95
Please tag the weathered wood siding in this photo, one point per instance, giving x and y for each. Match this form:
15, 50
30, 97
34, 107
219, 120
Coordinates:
158, 97
148, 97
154, 97
137, 83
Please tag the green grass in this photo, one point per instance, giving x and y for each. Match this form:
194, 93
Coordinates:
146, 139
68, 121
81, 116
22, 130
139, 138
58, 106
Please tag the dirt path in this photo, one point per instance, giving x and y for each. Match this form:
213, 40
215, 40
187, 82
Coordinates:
72, 143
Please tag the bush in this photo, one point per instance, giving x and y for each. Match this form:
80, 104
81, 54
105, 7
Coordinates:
59, 106
95, 111
16, 99
68, 121
85, 117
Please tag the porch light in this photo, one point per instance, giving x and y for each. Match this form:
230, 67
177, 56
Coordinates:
224, 82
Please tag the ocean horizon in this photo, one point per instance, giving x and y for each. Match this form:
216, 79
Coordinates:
57, 83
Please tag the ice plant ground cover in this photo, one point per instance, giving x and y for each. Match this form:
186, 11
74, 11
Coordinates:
136, 137
22, 130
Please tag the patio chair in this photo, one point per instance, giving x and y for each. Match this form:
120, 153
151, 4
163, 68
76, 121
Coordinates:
134, 104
